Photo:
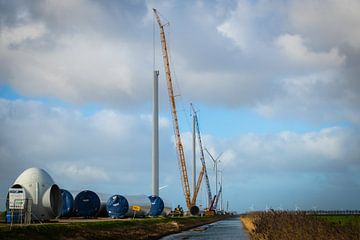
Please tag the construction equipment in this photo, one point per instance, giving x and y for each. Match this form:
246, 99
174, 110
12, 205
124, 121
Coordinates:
203, 169
177, 212
217, 197
210, 211
179, 146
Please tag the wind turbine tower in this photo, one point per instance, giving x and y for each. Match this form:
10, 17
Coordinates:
155, 142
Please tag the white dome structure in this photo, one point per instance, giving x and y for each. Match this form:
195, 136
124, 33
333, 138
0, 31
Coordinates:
42, 193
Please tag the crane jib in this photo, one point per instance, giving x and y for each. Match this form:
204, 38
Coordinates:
203, 169
179, 147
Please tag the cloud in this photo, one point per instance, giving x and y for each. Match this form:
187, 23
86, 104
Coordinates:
101, 53
285, 60
307, 47
248, 26
329, 23
164, 122
77, 69
81, 172
286, 167
240, 34
70, 143
110, 152
69, 58
322, 152
294, 48
320, 98
16, 36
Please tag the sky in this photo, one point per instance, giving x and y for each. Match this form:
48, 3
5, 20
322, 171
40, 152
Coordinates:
275, 83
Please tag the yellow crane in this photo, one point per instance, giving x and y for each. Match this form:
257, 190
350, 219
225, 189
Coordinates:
179, 146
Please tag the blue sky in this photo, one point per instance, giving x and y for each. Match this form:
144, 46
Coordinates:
275, 83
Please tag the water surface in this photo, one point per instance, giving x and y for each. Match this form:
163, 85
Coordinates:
230, 228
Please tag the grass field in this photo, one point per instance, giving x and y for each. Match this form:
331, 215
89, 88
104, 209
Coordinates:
299, 226
2, 216
342, 219
148, 228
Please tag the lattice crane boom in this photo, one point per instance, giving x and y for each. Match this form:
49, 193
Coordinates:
203, 169
217, 197
179, 146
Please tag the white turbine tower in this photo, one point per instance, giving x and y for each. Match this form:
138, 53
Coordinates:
267, 208
252, 208
216, 162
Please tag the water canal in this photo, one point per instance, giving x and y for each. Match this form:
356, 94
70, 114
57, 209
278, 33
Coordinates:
230, 228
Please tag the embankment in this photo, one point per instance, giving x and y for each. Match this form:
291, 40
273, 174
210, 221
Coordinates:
148, 228
297, 226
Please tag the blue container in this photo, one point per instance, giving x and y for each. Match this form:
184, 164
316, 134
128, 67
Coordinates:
67, 207
117, 206
87, 204
157, 206
17, 217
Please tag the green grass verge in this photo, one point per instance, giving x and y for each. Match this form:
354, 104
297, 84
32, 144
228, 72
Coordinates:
2, 216
128, 229
342, 219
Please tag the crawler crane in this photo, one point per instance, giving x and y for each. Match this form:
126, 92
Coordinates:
179, 147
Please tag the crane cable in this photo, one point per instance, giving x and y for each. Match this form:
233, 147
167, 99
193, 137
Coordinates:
178, 88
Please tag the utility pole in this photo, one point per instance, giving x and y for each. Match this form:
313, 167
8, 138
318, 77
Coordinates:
155, 142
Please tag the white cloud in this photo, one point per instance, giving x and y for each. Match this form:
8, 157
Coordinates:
82, 152
101, 52
318, 151
228, 159
81, 172
75, 52
78, 69
239, 26
328, 143
294, 48
242, 26
164, 122
55, 137
17, 35
62, 55
303, 41
330, 22
112, 124
320, 97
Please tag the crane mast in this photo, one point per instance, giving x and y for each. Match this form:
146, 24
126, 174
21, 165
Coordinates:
203, 169
179, 146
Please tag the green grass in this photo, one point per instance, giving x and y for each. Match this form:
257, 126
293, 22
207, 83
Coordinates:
105, 224
68, 230
342, 219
